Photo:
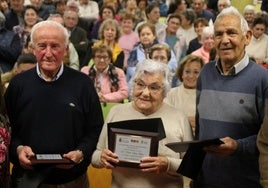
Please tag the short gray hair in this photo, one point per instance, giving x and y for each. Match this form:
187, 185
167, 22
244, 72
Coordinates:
151, 66
233, 11
249, 8
51, 24
228, 2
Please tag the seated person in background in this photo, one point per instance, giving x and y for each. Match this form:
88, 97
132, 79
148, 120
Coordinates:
183, 97
196, 43
77, 35
249, 14
128, 37
147, 35
24, 62
186, 28
150, 85
106, 12
177, 44
42, 12
88, 9
71, 58
131, 8
176, 7
109, 34
207, 38
153, 14
110, 81
30, 18
60, 6
10, 46
258, 45
162, 54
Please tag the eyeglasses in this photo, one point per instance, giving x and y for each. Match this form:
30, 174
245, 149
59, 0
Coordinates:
153, 88
102, 57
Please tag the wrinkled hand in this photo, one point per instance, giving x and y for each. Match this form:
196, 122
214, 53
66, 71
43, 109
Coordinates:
75, 156
24, 154
108, 159
154, 164
226, 149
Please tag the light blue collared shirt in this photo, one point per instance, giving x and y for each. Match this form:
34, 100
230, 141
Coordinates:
55, 78
236, 68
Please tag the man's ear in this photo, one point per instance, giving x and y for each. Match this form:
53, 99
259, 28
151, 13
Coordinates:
248, 37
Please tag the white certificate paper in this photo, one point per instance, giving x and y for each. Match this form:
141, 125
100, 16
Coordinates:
132, 148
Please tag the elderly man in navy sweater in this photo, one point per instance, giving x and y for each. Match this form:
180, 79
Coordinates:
231, 104
53, 109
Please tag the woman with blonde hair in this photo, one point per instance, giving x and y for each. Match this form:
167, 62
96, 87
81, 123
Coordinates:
183, 97
109, 34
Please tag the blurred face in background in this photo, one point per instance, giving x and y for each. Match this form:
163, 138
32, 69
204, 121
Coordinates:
30, 17
147, 36
17, 5
72, 6
142, 5
107, 14
258, 30
180, 7
101, 60
61, 7
70, 19
208, 42
173, 25
127, 26
198, 6
184, 21
154, 15
36, 3
131, 4
160, 56
190, 74
249, 15
199, 29
109, 33
222, 4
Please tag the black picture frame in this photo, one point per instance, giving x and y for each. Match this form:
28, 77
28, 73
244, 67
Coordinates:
134, 135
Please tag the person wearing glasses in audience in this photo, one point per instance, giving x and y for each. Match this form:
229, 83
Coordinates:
151, 82
110, 81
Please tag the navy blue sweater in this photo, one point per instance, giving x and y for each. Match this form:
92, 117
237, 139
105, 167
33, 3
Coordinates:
233, 106
54, 117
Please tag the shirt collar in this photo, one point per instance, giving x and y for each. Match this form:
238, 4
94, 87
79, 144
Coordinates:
55, 78
236, 68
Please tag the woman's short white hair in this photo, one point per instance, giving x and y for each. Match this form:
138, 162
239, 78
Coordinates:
208, 30
151, 66
51, 24
249, 8
233, 11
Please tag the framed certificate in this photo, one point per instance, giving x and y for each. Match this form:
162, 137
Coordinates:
50, 159
132, 145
